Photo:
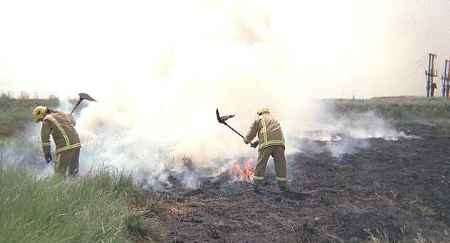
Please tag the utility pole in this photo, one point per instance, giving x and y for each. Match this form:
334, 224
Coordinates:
446, 78
431, 73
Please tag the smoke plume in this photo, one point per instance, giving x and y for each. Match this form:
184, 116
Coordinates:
159, 70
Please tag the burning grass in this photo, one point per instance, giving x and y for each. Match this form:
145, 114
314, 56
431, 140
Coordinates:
243, 171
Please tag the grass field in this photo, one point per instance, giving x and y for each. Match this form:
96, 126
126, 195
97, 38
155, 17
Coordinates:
101, 207
89, 209
107, 207
400, 108
46, 210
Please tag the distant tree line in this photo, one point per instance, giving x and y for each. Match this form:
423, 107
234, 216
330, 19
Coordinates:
23, 95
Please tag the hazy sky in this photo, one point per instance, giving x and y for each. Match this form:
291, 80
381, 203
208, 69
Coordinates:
324, 48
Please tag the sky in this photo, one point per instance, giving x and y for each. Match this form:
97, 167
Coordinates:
323, 48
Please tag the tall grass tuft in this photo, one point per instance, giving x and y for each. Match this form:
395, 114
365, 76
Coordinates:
88, 209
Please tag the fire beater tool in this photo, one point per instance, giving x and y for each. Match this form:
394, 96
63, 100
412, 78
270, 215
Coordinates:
83, 96
223, 120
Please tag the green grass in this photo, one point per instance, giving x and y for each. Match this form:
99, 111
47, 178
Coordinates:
397, 108
88, 209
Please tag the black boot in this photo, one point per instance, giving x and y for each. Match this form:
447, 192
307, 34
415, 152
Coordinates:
257, 184
283, 186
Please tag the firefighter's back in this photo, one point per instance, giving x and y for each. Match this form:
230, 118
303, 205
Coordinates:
63, 130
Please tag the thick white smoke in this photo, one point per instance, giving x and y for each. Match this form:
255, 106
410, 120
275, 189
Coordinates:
157, 145
159, 70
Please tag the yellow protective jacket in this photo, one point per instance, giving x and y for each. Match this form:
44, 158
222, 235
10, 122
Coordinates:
268, 130
61, 127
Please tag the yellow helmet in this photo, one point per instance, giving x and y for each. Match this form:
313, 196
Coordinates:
39, 113
262, 111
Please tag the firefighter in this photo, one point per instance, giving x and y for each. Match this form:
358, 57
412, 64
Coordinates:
61, 127
271, 143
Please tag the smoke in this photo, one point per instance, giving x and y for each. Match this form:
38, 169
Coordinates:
24, 151
160, 146
342, 134
160, 70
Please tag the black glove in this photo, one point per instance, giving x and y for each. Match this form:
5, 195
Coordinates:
254, 144
48, 157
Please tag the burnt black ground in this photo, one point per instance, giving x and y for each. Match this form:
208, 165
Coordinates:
398, 190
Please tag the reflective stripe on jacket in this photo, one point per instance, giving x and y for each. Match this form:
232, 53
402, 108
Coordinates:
268, 130
61, 127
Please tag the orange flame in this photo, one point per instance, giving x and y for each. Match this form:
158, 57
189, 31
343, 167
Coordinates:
243, 171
